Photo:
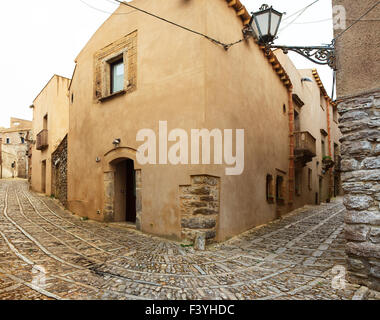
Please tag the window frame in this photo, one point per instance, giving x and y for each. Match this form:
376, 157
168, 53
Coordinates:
107, 62
112, 64
280, 197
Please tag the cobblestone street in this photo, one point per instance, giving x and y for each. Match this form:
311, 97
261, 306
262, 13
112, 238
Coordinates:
292, 258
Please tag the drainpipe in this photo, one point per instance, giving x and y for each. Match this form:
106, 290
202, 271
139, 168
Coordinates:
330, 150
1, 158
291, 147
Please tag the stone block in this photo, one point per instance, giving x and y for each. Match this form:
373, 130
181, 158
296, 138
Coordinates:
349, 165
200, 191
363, 249
358, 202
355, 265
200, 241
374, 235
353, 115
204, 211
361, 175
356, 232
356, 148
358, 188
365, 217
198, 222
371, 163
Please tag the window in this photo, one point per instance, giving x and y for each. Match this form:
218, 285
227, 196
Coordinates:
117, 76
284, 108
22, 140
115, 69
298, 181
323, 146
8, 141
279, 189
45, 122
310, 179
270, 189
323, 101
297, 123
335, 114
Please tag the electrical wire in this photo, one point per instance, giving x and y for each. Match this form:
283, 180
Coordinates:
302, 11
331, 19
316, 21
226, 46
297, 12
106, 12
356, 21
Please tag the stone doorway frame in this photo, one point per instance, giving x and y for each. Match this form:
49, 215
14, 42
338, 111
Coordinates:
110, 158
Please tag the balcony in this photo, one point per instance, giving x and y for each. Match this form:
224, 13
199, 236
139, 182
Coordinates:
42, 140
305, 148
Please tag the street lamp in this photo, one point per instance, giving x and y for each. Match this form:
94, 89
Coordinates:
265, 23
264, 27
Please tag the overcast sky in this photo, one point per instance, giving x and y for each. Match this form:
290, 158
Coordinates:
42, 37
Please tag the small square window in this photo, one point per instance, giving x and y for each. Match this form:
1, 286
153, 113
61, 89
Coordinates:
117, 76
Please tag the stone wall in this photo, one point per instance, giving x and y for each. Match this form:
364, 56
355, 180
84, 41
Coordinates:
59, 162
199, 203
360, 125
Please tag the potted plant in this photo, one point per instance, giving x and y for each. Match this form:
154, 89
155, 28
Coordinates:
327, 162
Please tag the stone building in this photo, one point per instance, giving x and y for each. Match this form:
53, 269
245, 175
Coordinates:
14, 149
138, 72
358, 91
50, 128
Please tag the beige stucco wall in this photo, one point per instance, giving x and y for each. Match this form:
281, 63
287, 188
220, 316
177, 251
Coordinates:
52, 101
243, 91
191, 83
358, 49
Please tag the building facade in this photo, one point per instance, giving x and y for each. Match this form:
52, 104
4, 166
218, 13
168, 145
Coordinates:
140, 73
358, 91
14, 149
50, 127
317, 137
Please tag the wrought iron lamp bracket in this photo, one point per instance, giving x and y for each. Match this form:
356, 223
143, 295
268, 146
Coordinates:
322, 55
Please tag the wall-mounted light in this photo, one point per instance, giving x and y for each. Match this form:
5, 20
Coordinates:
264, 26
306, 79
116, 142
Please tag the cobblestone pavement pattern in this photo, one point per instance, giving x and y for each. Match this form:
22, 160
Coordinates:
48, 253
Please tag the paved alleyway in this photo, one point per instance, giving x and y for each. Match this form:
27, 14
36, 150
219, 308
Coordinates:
289, 259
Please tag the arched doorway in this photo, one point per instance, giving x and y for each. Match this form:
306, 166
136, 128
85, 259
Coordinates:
125, 190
